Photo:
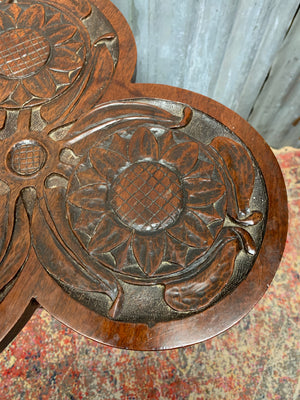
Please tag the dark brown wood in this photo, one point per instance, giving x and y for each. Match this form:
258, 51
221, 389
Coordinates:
142, 216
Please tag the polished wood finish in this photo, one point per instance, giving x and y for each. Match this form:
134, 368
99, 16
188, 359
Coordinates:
142, 216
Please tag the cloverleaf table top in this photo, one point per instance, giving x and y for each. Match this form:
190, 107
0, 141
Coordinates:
142, 216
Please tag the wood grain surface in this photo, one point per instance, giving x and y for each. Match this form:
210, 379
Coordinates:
142, 216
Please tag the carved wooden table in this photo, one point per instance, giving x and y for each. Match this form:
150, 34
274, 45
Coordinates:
142, 216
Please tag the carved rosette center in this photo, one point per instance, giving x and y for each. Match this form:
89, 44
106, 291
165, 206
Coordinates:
22, 53
26, 158
147, 197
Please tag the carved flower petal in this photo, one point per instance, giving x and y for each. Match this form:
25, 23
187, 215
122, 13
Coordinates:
203, 193
61, 77
62, 266
143, 144
59, 33
20, 95
5, 21
90, 197
184, 156
64, 59
121, 254
87, 221
82, 7
55, 19
119, 145
89, 176
33, 17
149, 251
176, 251
14, 10
73, 46
166, 141
203, 170
41, 84
108, 235
6, 87
191, 231
106, 162
208, 214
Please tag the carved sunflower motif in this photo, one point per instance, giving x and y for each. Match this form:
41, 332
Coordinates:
155, 202
41, 54
133, 198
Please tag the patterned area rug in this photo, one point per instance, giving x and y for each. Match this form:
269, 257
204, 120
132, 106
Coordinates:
257, 359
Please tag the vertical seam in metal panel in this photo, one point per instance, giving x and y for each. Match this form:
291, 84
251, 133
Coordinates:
229, 38
269, 71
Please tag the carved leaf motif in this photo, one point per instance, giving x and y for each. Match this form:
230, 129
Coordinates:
131, 113
240, 169
90, 197
149, 251
184, 156
17, 251
199, 292
191, 231
142, 145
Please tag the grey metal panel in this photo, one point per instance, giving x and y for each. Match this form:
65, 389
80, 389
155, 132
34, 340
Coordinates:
276, 114
221, 48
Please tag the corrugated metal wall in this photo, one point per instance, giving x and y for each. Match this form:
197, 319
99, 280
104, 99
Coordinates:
242, 53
